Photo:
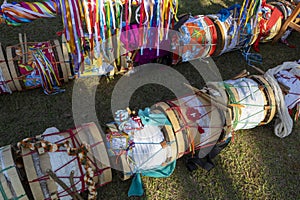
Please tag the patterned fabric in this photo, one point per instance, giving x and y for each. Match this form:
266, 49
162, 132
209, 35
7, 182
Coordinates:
195, 39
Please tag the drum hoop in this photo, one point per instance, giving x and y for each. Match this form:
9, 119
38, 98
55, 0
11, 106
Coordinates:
229, 115
12, 68
12, 172
213, 34
236, 111
179, 135
5, 71
270, 98
219, 26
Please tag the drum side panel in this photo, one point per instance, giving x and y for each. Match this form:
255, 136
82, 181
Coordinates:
4, 66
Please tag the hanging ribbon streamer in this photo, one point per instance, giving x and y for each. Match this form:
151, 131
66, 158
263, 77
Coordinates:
50, 82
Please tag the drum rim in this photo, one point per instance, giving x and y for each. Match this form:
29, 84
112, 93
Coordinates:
220, 35
213, 33
179, 134
5, 70
12, 67
270, 98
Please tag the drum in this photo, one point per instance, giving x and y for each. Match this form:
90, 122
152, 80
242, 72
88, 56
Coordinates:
192, 123
10, 184
135, 149
197, 38
49, 152
23, 66
6, 86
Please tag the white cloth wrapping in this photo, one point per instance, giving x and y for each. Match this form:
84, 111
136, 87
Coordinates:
284, 123
290, 79
147, 152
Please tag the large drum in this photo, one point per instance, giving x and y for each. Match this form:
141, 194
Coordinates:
197, 38
10, 184
135, 148
28, 69
196, 123
48, 152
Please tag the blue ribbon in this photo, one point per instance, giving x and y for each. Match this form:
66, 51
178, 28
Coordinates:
153, 119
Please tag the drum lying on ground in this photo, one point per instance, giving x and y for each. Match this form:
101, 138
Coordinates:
22, 66
191, 118
37, 162
10, 184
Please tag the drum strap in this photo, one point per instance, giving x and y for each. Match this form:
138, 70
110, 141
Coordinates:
206, 163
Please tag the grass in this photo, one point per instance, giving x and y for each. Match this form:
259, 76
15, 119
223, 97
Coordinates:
257, 165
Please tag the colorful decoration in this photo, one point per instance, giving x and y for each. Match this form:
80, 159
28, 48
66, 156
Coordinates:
17, 13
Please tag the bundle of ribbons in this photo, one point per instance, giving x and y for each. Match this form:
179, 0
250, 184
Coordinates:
105, 19
17, 13
106, 26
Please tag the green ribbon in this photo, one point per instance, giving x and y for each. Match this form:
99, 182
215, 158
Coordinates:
3, 192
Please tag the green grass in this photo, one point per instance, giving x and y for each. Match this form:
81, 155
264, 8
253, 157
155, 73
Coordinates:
257, 165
